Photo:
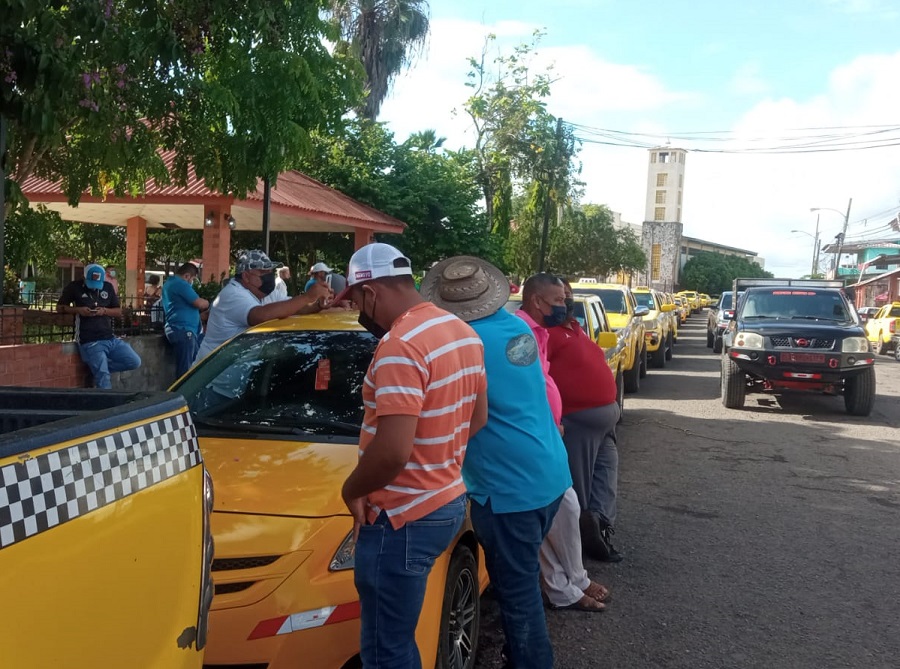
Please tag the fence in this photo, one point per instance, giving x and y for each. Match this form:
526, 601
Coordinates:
38, 323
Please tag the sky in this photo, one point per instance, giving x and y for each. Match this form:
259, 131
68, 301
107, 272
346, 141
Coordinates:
753, 72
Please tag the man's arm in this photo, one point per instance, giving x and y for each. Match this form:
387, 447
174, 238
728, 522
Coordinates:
479, 413
65, 305
384, 457
308, 303
200, 304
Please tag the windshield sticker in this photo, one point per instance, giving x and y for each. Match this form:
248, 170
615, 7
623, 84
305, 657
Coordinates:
323, 374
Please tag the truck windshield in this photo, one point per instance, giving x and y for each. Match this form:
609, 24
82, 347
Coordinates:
795, 303
613, 300
283, 382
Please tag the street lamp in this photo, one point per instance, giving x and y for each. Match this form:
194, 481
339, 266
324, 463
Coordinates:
815, 255
841, 236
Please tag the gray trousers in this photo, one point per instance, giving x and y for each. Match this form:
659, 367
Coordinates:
590, 438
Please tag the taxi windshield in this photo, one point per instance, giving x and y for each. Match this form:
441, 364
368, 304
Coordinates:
645, 300
613, 300
292, 382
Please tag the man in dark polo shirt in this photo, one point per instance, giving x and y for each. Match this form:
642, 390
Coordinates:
94, 303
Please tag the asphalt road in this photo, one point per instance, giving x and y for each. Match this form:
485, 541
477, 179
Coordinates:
767, 537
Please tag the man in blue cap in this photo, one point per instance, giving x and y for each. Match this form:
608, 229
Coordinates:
94, 303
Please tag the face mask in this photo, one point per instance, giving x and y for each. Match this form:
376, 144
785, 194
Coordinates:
368, 322
268, 283
557, 316
570, 308
112, 273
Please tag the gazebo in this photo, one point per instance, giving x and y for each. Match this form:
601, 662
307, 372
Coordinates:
298, 204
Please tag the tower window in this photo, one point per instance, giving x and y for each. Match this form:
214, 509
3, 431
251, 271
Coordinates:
659, 214
664, 156
660, 197
655, 258
661, 179
679, 198
681, 181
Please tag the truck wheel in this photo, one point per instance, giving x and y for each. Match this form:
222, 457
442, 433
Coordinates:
717, 345
461, 613
709, 339
734, 385
620, 394
897, 352
658, 357
859, 393
882, 345
643, 359
632, 377
670, 346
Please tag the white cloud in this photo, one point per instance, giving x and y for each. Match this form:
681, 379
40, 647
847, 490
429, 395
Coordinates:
742, 200
748, 81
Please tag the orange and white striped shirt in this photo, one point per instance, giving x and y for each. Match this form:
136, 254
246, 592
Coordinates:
430, 365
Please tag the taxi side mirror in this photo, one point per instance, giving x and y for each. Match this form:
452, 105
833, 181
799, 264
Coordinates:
667, 307
607, 340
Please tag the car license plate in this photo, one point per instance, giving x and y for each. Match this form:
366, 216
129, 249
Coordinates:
803, 357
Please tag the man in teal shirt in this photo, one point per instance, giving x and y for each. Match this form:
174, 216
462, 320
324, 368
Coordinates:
182, 307
516, 469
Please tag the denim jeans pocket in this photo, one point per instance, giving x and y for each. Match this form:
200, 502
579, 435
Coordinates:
426, 539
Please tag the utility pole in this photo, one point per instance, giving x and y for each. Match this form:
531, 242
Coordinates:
267, 206
841, 238
548, 187
815, 264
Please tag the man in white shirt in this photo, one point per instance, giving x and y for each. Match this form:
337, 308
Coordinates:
281, 292
240, 305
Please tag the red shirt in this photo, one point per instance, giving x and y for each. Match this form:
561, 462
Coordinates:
580, 370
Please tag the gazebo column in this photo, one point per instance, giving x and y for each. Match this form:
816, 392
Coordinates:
361, 237
135, 259
216, 242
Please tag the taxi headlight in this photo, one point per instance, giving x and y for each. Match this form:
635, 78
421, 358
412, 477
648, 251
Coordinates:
748, 340
345, 556
855, 345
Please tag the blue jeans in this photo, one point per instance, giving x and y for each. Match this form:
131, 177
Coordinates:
391, 571
185, 344
511, 542
106, 356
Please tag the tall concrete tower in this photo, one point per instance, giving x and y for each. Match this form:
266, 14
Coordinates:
662, 229
665, 184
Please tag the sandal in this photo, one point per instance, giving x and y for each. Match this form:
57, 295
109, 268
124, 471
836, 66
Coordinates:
597, 591
586, 603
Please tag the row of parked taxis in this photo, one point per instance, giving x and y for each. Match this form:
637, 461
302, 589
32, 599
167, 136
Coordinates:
278, 411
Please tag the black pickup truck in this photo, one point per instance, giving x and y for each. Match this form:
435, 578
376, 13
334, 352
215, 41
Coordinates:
791, 334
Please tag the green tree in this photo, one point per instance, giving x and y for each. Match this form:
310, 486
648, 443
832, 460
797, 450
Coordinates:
714, 273
94, 89
385, 35
172, 248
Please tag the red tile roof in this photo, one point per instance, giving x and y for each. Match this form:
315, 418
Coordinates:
293, 190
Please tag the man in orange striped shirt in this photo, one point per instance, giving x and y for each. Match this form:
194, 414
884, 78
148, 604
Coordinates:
424, 394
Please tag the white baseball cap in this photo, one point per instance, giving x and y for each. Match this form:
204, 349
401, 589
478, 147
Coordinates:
374, 261
320, 267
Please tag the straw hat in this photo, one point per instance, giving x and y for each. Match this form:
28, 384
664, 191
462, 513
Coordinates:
468, 287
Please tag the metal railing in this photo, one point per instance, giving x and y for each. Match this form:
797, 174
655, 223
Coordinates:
37, 321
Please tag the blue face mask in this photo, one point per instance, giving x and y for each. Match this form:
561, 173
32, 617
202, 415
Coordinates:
557, 316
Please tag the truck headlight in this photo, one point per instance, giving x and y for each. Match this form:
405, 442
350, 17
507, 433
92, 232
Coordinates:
855, 345
748, 340
345, 556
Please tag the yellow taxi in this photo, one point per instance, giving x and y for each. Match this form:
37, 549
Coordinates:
658, 333
693, 300
705, 300
882, 326
682, 308
278, 411
625, 319
591, 315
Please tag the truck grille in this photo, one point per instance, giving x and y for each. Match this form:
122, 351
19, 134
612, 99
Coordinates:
812, 342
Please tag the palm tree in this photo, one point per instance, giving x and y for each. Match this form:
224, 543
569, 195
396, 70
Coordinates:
425, 140
386, 35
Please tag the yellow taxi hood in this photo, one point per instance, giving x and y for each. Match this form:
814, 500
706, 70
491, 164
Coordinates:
280, 477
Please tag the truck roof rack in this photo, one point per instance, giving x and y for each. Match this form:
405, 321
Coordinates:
740, 284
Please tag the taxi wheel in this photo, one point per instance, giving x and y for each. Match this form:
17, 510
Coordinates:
882, 345
461, 613
670, 346
658, 357
717, 345
632, 378
643, 358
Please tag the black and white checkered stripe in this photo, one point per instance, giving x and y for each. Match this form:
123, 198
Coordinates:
53, 488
